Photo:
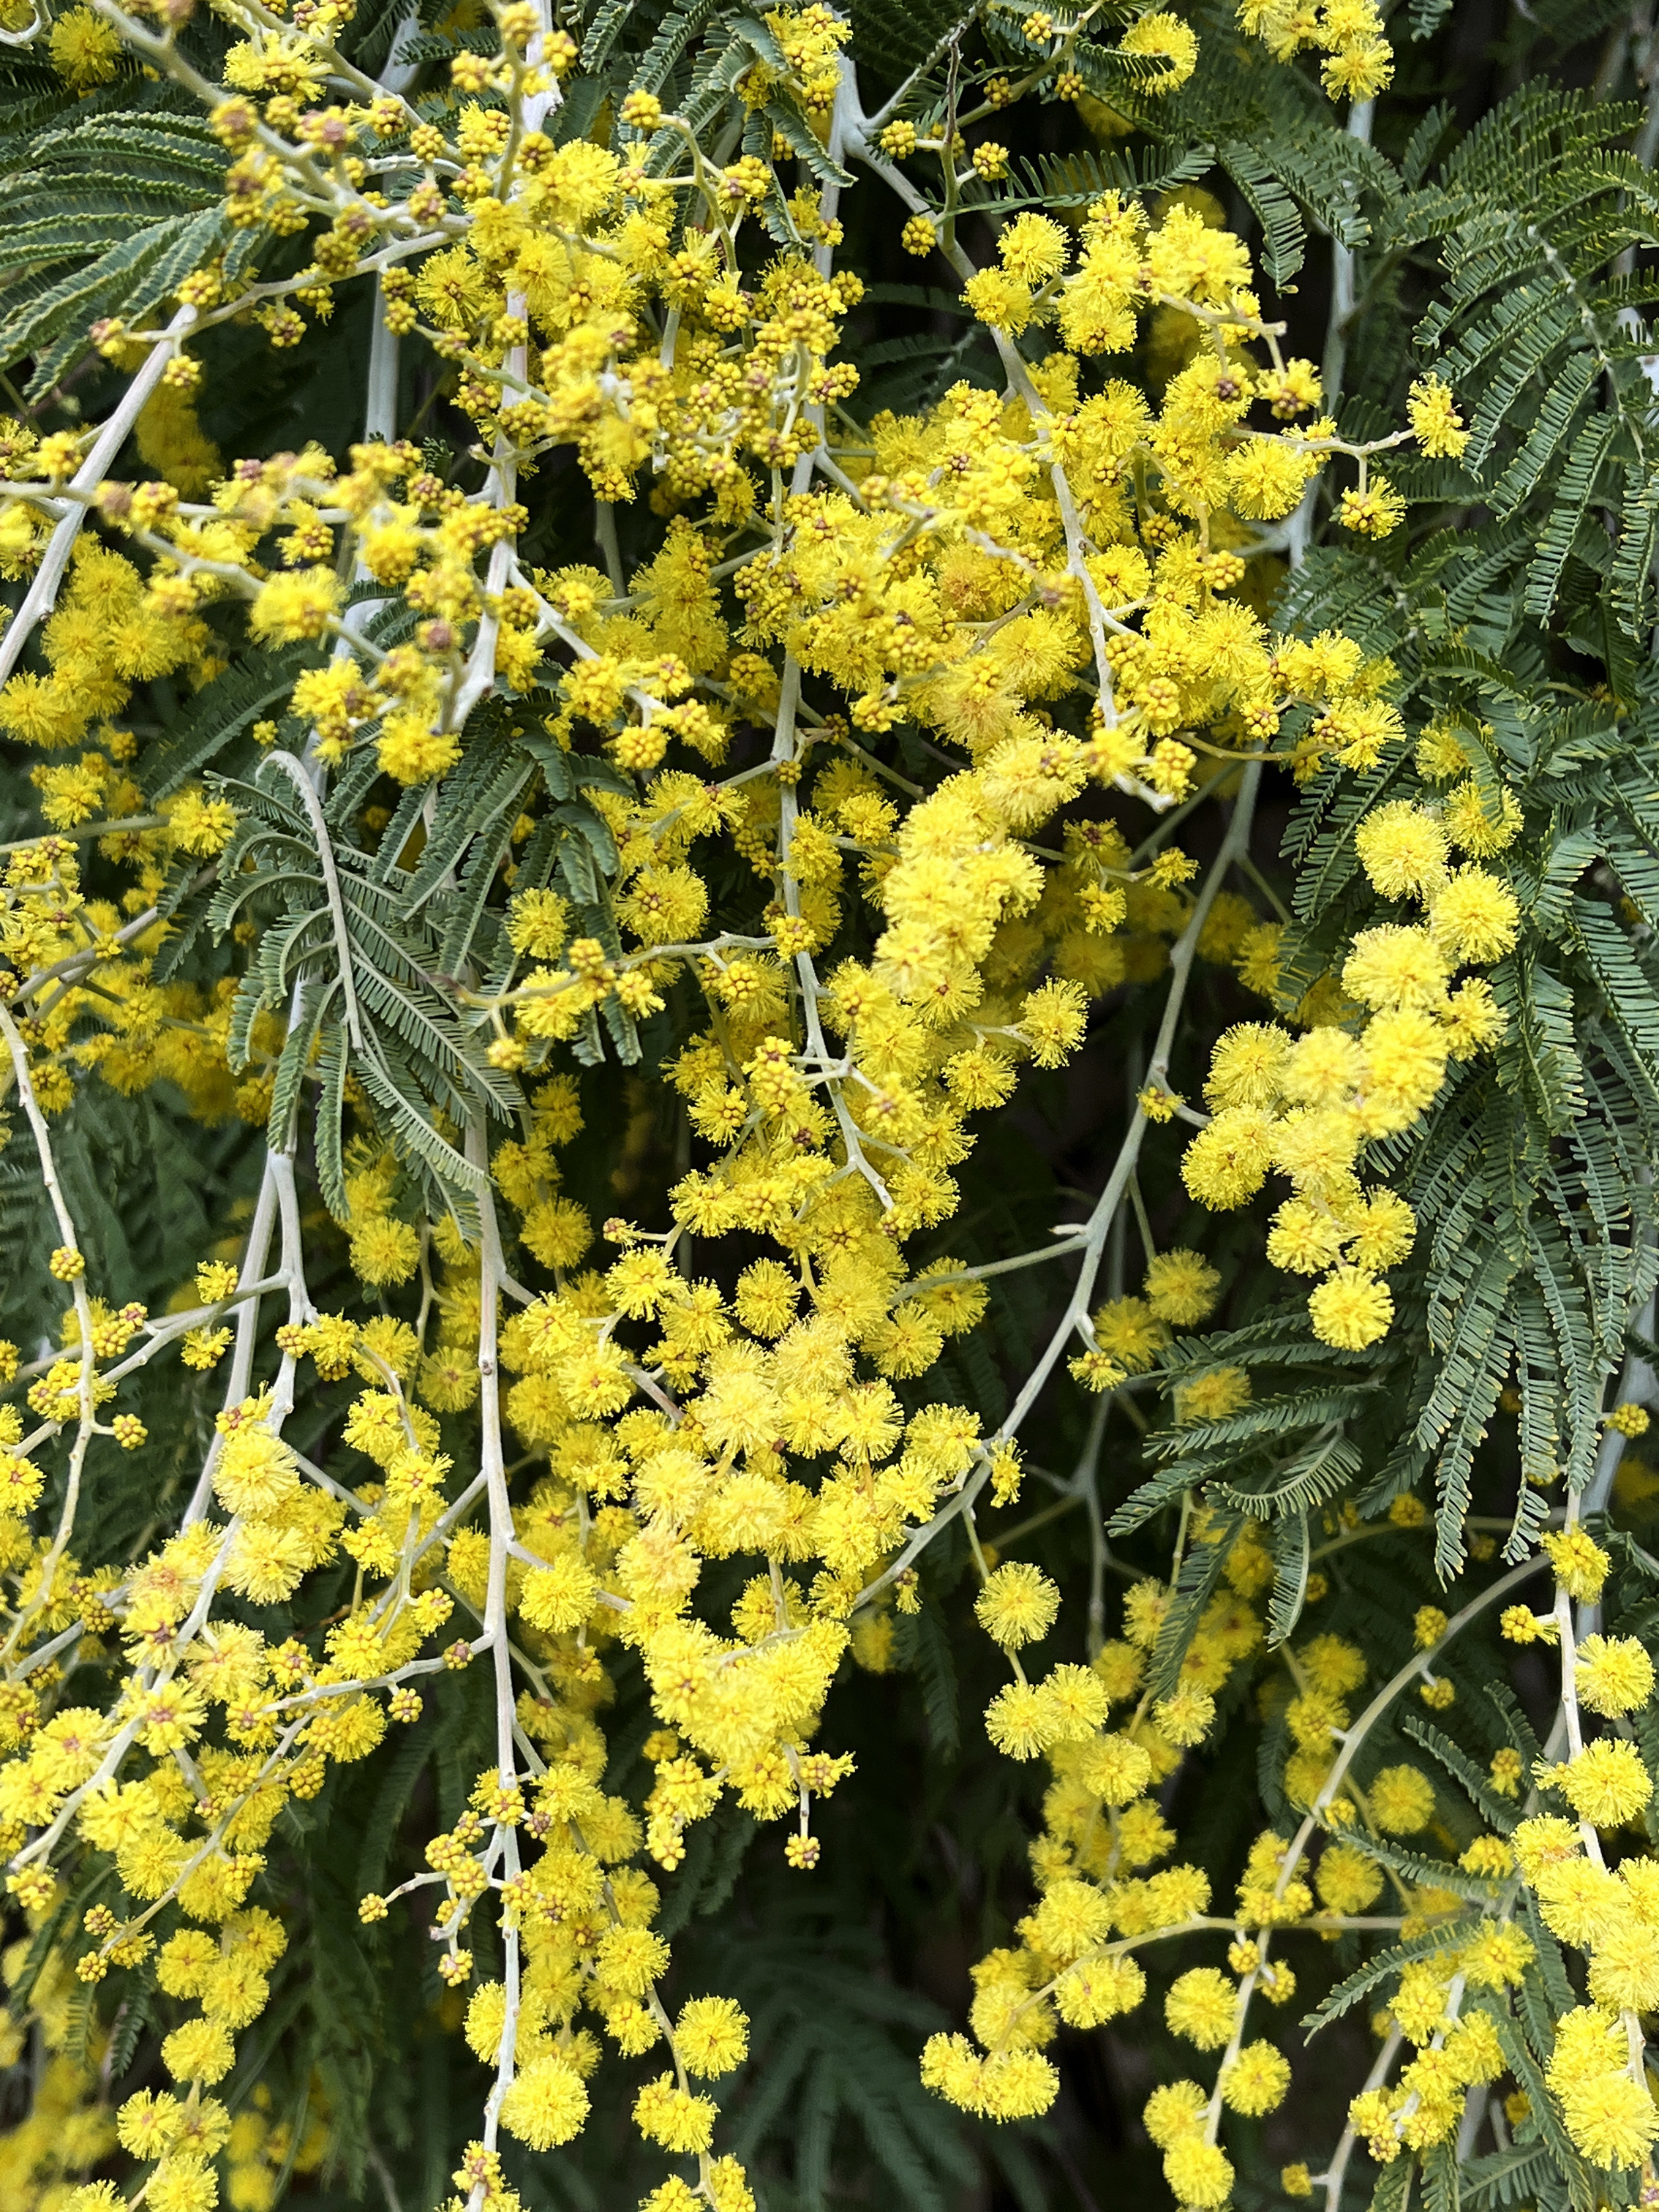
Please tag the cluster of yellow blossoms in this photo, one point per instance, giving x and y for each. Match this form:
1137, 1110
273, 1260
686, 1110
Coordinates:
1466, 1956
1373, 1054
1358, 61
1041, 585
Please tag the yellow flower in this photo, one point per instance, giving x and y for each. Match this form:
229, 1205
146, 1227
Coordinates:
1402, 850
1401, 1799
1351, 1309
1174, 2112
1475, 917
545, 2104
1614, 1675
1073, 1918
291, 608
1581, 1566
1247, 1066
1435, 421
1018, 1604
1201, 2006
1200, 2173
1180, 1286
84, 49
1226, 1163
1213, 1396
1257, 2080
1348, 1881
1163, 37
712, 2036
1605, 1783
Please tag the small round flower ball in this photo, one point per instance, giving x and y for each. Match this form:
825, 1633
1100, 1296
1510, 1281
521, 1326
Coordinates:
1201, 2006
1615, 1675
1401, 1800
1180, 1288
546, 2103
1257, 2080
1018, 1605
1351, 1309
1200, 2173
712, 2036
1402, 850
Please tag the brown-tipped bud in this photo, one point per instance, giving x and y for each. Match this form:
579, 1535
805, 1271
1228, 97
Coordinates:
235, 121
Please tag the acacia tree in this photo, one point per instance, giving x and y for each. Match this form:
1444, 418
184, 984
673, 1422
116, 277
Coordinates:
831, 1031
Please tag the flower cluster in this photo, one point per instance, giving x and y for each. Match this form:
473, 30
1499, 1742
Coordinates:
1376, 1036
853, 791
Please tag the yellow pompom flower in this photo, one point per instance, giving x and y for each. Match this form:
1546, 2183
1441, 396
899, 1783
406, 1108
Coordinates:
537, 923
200, 826
1074, 1704
84, 49
1323, 1068
1401, 1799
1201, 2006
1180, 1288
1257, 2080
1200, 2173
1018, 1604
1073, 1918
1475, 917
712, 2036
1098, 1989
1247, 1066
1226, 1163
1185, 1716
1213, 1396
1581, 1566
1018, 1722
1173, 2110
1478, 824
1402, 850
1033, 247
1053, 1021
1611, 2119
1623, 1975
545, 2104
1614, 1675
291, 608
674, 2117
1394, 967
1606, 1783
1435, 421
1163, 38
1351, 1309
384, 1251
1130, 1331
1115, 1768
1348, 1881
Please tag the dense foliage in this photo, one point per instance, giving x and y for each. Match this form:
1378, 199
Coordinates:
831, 1046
